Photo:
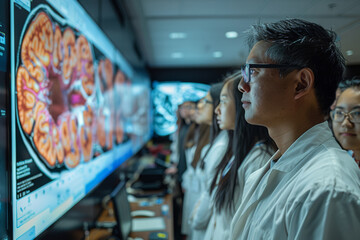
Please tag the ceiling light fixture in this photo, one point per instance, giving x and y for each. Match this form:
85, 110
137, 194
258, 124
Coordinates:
217, 54
349, 52
177, 55
177, 35
231, 34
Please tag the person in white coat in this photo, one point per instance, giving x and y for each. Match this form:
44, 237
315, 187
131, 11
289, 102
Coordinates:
310, 188
210, 156
197, 138
194, 183
249, 148
201, 212
346, 118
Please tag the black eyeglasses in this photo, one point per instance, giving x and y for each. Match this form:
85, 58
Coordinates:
246, 70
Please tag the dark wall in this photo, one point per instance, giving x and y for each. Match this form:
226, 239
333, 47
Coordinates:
200, 75
351, 71
120, 32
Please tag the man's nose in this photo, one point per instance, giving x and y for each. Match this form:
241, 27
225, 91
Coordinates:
243, 87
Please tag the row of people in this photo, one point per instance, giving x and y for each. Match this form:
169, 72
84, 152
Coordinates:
271, 167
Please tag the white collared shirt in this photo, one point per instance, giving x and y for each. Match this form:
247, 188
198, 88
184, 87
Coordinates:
312, 192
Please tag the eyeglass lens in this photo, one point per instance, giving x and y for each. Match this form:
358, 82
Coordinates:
339, 116
245, 73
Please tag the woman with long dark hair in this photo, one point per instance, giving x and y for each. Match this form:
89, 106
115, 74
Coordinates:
210, 158
248, 149
193, 184
197, 137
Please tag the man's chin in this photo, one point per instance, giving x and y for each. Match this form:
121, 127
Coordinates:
249, 117
253, 120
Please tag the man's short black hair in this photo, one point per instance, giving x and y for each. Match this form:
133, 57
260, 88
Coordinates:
305, 44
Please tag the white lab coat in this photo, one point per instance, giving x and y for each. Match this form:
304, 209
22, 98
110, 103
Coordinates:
311, 192
174, 156
219, 225
201, 213
191, 194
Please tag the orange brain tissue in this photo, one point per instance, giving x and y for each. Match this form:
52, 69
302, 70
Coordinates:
54, 82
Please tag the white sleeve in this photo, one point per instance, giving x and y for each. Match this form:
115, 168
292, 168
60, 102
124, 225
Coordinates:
201, 213
328, 215
174, 156
188, 176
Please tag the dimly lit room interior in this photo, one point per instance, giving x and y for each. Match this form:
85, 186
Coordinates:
92, 94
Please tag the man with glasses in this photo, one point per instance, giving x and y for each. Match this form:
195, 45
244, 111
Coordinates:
310, 188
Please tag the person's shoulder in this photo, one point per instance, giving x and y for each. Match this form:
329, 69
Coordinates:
333, 160
330, 170
221, 139
257, 157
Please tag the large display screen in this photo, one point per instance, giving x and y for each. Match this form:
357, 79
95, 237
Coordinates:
78, 110
167, 96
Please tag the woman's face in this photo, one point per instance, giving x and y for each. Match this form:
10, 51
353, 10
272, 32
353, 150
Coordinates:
204, 111
347, 132
226, 110
186, 110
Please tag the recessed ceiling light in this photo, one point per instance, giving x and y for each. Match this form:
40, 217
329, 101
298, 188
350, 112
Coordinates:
177, 55
231, 34
177, 35
349, 52
217, 54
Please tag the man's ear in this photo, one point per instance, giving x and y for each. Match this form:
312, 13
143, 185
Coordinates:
305, 82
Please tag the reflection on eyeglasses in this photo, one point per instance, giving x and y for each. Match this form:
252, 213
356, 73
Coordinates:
338, 115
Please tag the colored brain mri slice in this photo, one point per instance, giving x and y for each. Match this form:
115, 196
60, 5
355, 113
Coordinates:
105, 126
55, 84
119, 82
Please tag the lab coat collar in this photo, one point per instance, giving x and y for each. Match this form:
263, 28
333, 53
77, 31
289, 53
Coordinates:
293, 156
297, 152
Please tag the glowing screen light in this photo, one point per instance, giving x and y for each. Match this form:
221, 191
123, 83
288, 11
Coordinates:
166, 98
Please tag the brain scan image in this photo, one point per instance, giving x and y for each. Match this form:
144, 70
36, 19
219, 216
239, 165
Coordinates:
79, 110
166, 98
65, 95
